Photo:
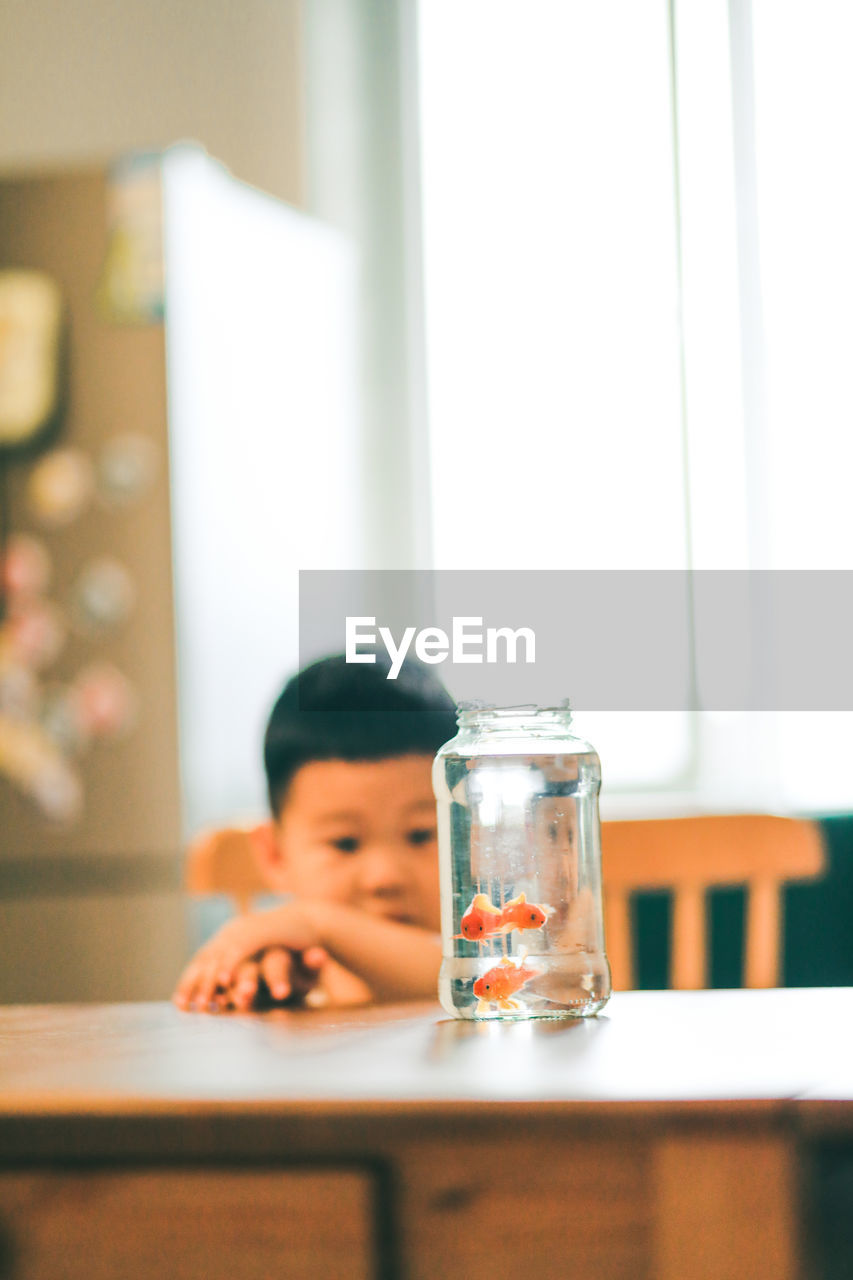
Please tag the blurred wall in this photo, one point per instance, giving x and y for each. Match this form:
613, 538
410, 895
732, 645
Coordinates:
79, 84
82, 81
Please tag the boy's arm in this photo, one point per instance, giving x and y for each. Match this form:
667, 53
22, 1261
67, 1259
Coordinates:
397, 961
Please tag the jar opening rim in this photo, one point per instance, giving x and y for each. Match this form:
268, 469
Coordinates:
474, 710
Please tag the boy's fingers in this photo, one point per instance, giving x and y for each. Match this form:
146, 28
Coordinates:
276, 971
218, 1003
214, 966
186, 986
181, 994
245, 984
226, 964
206, 986
246, 974
314, 957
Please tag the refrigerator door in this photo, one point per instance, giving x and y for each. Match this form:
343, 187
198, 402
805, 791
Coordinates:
265, 458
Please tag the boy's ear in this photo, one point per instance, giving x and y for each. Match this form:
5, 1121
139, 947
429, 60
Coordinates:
268, 850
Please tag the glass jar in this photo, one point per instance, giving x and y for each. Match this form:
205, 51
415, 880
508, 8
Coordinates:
520, 863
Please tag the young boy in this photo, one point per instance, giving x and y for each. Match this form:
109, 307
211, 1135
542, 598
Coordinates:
348, 757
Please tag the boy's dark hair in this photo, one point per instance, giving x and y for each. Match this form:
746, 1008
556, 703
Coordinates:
335, 710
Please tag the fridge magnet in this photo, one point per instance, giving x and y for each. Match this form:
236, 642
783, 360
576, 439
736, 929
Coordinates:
103, 596
60, 487
63, 719
32, 762
33, 634
31, 379
18, 691
26, 567
126, 468
57, 790
31, 323
130, 290
105, 701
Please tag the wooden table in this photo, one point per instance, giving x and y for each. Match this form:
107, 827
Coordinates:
672, 1138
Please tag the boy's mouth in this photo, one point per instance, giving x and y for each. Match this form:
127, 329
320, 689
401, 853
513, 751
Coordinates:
399, 917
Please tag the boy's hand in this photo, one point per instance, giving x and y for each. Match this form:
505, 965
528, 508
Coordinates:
213, 970
275, 977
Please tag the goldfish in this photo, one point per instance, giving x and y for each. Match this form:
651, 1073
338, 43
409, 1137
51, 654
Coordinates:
480, 919
483, 919
497, 985
518, 913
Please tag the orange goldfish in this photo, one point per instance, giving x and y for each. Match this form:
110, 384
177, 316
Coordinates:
497, 985
483, 919
480, 919
518, 913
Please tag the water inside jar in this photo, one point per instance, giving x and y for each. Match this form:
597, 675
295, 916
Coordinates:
521, 890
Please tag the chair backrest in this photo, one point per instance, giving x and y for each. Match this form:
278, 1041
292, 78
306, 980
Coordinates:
685, 855
689, 856
227, 861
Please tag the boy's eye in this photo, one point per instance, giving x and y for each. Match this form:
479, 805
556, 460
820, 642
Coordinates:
422, 835
346, 844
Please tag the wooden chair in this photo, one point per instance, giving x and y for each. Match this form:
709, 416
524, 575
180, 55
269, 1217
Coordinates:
686, 855
227, 862
689, 856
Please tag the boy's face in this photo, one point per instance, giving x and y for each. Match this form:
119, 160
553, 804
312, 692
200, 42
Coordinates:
362, 833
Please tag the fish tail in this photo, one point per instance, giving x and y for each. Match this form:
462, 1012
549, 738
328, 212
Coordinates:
482, 903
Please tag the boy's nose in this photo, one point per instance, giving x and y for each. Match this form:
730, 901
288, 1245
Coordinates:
381, 872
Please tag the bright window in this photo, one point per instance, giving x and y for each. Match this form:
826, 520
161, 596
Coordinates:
551, 281
637, 273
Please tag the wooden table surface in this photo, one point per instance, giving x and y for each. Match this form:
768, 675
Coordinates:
665, 1047
677, 1127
